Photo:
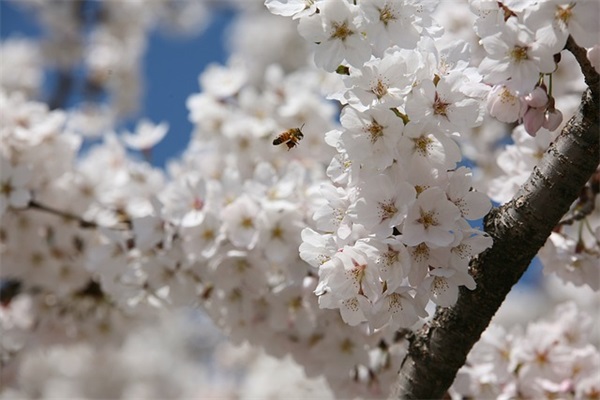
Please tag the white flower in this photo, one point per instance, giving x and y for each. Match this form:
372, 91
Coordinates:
13, 185
148, 231
353, 311
242, 222
424, 147
347, 280
489, 17
337, 30
223, 81
146, 135
21, 65
472, 242
554, 20
379, 81
332, 216
202, 241
316, 249
472, 204
571, 259
392, 259
371, 137
491, 14
516, 161
515, 59
383, 204
444, 283
186, 199
392, 22
239, 269
431, 219
292, 8
340, 170
504, 105
282, 231
399, 309
424, 257
444, 103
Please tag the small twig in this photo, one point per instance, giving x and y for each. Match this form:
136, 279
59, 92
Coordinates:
592, 78
62, 90
83, 223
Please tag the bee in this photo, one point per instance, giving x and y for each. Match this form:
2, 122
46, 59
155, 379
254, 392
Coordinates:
291, 137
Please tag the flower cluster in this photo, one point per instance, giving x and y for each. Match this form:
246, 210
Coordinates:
330, 251
521, 41
572, 250
551, 358
170, 358
393, 232
106, 41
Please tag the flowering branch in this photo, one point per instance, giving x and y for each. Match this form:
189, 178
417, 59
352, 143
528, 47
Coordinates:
83, 223
519, 228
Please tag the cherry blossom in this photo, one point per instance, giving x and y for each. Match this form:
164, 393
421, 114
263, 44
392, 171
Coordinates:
147, 135
377, 129
431, 219
383, 205
576, 18
13, 185
392, 22
292, 8
504, 105
515, 58
337, 30
330, 254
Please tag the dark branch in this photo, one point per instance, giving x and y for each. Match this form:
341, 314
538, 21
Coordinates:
519, 229
85, 224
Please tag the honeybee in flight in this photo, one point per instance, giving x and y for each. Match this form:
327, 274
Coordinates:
291, 137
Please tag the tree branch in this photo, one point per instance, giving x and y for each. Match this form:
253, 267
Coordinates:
519, 229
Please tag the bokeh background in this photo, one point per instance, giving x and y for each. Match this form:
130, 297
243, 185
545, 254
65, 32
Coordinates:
171, 65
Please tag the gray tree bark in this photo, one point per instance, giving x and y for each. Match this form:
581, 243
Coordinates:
519, 229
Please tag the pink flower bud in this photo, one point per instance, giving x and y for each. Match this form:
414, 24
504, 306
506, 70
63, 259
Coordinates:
533, 120
552, 119
537, 98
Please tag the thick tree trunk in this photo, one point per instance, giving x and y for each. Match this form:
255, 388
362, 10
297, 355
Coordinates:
519, 229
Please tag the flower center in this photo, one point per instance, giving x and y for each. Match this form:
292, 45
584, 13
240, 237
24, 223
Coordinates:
507, 97
439, 106
379, 89
428, 219
519, 53
341, 31
386, 14
208, 235
277, 233
6, 189
387, 210
198, 204
564, 14
422, 144
375, 130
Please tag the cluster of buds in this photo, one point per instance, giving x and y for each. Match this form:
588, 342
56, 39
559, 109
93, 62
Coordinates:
541, 111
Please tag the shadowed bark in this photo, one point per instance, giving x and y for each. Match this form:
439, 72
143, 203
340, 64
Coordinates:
519, 229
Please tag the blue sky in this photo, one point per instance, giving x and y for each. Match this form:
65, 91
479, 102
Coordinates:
171, 68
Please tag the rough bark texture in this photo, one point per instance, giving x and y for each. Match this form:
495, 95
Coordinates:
519, 229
